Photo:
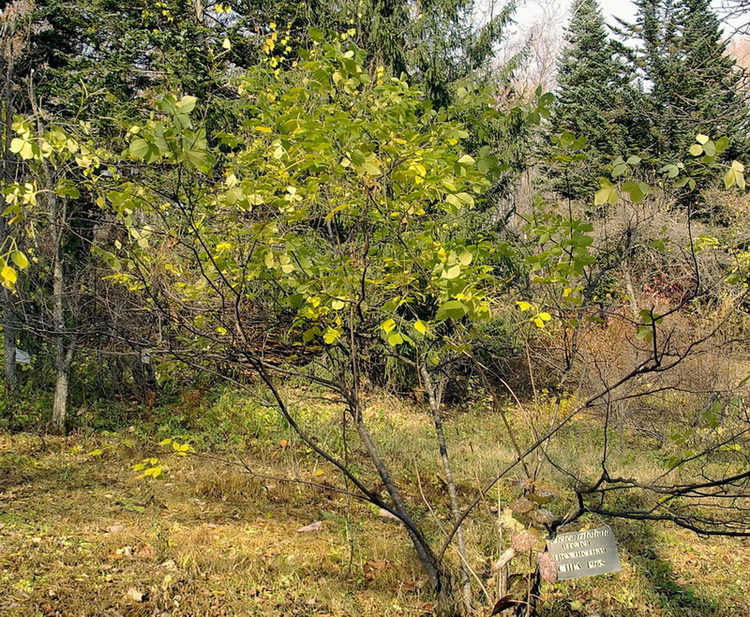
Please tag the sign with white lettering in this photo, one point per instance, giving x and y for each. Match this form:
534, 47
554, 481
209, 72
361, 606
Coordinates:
585, 553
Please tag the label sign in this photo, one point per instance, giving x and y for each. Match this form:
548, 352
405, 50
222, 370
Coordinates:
585, 553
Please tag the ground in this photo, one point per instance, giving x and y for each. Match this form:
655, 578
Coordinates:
82, 534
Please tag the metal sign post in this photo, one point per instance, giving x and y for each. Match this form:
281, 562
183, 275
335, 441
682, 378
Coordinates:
585, 553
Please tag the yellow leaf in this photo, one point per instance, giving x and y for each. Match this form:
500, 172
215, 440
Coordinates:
9, 276
331, 335
388, 325
263, 129
420, 326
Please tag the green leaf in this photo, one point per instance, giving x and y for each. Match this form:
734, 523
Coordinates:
567, 139
395, 339
309, 334
20, 259
198, 159
634, 190
454, 201
614, 196
453, 309
466, 160
22, 147
730, 179
645, 333
139, 148
186, 104
702, 139
465, 258
451, 273
17, 144
696, 150
602, 196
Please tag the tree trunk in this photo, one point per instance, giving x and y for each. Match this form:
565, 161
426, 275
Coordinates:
62, 386
6, 299
63, 346
437, 419
9, 338
439, 578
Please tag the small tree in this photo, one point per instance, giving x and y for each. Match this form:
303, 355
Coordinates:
331, 228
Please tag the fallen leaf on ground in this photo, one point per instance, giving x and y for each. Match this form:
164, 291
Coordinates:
146, 551
374, 567
125, 551
316, 526
135, 595
114, 528
504, 559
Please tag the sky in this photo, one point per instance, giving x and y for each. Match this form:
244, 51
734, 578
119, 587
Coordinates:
619, 8
543, 21
529, 10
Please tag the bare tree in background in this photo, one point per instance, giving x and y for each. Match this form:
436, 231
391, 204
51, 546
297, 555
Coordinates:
538, 45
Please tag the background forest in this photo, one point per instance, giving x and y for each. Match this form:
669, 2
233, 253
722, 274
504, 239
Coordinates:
322, 308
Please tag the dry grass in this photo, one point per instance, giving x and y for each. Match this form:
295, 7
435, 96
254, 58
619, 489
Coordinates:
81, 535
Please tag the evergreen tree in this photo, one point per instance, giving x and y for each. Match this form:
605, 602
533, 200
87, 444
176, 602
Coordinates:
595, 99
695, 86
436, 44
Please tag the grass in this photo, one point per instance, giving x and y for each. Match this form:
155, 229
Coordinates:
80, 534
